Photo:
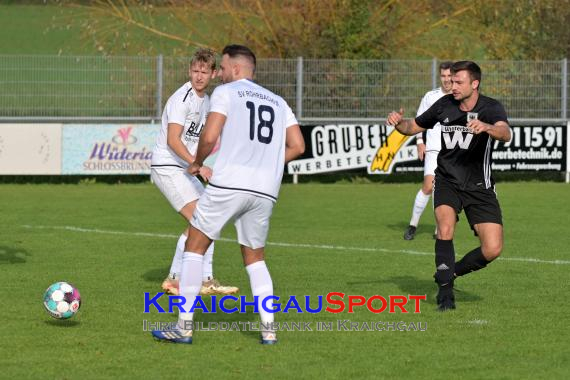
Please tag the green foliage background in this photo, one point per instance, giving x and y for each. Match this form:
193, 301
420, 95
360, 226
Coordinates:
373, 29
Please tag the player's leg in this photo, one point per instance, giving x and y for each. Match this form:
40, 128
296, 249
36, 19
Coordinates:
210, 285
491, 238
429, 177
261, 287
171, 283
447, 206
190, 284
423, 195
211, 214
182, 190
485, 217
252, 229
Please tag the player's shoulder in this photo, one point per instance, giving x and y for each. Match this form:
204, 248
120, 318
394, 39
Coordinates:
445, 100
487, 100
433, 93
250, 89
184, 94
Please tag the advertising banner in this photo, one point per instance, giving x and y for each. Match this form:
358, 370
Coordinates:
30, 149
108, 149
379, 148
536, 147
383, 150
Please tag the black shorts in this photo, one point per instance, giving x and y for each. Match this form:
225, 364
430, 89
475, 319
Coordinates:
480, 205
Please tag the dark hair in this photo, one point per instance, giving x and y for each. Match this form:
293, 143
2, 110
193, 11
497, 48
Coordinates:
469, 66
240, 50
445, 65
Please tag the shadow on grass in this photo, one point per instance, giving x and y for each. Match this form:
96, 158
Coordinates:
155, 275
11, 255
62, 323
423, 229
249, 317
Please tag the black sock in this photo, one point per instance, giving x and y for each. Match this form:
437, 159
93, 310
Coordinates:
444, 262
471, 262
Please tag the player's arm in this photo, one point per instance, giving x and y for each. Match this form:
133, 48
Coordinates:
421, 147
294, 143
406, 127
174, 141
208, 138
421, 137
499, 131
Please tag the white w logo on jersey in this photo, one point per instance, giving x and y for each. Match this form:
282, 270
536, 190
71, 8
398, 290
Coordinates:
458, 139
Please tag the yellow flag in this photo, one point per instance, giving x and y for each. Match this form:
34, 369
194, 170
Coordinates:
386, 153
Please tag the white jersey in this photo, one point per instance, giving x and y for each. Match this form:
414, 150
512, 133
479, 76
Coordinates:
251, 157
433, 136
186, 108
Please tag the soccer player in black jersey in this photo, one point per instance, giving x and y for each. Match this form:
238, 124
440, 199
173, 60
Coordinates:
470, 123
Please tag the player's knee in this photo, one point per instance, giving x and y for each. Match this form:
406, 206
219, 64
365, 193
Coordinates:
444, 232
492, 251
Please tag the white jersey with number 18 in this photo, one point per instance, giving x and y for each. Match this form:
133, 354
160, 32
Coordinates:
251, 157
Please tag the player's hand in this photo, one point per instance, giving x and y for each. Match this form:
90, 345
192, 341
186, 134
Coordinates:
477, 126
421, 151
395, 118
206, 173
194, 169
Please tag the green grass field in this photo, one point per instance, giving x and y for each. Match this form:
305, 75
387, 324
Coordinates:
511, 321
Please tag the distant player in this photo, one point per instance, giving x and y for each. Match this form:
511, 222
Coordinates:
470, 123
182, 122
259, 134
429, 148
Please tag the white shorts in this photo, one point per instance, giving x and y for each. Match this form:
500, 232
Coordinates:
430, 162
251, 215
177, 185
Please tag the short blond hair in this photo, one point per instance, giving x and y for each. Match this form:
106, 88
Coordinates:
204, 55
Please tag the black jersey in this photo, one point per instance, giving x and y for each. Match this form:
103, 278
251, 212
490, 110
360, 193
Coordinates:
465, 158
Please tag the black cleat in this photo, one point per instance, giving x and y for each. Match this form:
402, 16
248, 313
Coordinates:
410, 233
445, 299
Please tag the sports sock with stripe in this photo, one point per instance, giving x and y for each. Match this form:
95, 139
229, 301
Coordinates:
190, 284
208, 270
444, 262
262, 287
420, 204
176, 265
471, 262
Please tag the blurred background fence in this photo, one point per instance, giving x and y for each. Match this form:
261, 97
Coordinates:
63, 88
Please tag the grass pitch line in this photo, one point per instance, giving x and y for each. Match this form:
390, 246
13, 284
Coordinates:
290, 245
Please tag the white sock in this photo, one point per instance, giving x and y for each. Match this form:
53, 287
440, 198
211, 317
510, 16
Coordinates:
176, 265
261, 286
419, 207
190, 284
207, 270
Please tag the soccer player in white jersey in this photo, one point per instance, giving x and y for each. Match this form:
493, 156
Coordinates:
182, 122
259, 134
428, 149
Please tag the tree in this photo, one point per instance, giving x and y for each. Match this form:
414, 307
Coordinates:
374, 29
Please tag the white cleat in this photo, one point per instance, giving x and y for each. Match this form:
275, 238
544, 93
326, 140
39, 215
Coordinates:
213, 286
171, 286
